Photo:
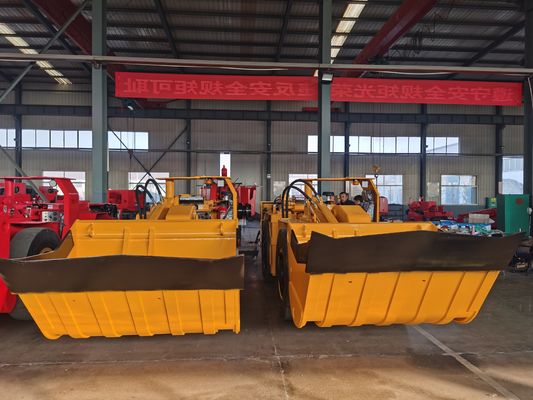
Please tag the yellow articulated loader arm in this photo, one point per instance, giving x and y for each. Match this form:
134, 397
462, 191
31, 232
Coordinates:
174, 272
338, 265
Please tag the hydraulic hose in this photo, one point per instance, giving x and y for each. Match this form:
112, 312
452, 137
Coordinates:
153, 182
285, 195
140, 193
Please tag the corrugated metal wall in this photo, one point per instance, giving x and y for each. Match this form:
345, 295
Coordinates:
407, 165
473, 139
513, 140
481, 167
246, 140
6, 122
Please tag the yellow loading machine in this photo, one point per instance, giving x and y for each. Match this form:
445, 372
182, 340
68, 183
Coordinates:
174, 272
338, 265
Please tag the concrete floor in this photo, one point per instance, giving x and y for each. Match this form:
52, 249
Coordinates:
490, 358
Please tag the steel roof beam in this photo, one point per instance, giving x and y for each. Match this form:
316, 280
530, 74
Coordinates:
404, 18
249, 65
166, 28
283, 31
140, 50
358, 33
151, 25
222, 58
70, 19
304, 32
250, 115
492, 47
475, 5
80, 31
50, 27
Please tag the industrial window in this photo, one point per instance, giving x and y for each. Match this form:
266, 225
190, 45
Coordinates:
134, 178
42, 138
293, 177
85, 139
225, 162
28, 138
77, 176
513, 175
128, 140
72, 139
442, 145
360, 144
336, 144
414, 144
388, 144
458, 189
46, 139
7, 137
391, 187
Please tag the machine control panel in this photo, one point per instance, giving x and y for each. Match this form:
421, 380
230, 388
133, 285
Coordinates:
50, 216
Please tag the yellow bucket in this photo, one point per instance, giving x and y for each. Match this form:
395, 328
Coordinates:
385, 279
142, 277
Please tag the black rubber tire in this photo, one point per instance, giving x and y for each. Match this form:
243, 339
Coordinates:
282, 274
265, 252
30, 242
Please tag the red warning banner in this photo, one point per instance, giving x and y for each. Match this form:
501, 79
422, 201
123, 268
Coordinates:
370, 90
366, 90
214, 87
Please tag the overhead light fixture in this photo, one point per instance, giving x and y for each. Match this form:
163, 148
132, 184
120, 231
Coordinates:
327, 77
344, 27
24, 47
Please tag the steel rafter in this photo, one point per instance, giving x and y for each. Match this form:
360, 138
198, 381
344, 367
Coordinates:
404, 18
283, 32
250, 115
166, 28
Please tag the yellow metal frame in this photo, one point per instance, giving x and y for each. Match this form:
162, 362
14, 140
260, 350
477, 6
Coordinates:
300, 212
355, 181
382, 298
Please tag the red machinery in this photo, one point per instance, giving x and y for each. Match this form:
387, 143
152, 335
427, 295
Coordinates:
33, 222
246, 196
247, 201
217, 192
427, 211
383, 205
125, 201
491, 212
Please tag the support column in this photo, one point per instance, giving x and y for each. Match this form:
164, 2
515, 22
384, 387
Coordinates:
528, 101
268, 180
346, 166
100, 157
18, 131
188, 142
423, 155
324, 96
498, 150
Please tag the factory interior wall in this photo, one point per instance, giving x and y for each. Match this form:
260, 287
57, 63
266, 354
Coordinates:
246, 141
